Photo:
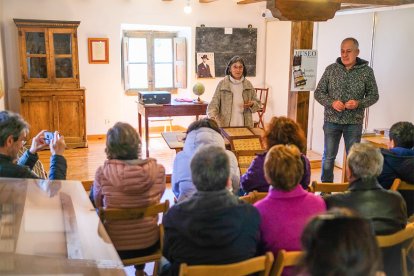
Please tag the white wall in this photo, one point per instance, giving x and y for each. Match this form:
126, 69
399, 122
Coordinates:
104, 95
278, 35
2, 89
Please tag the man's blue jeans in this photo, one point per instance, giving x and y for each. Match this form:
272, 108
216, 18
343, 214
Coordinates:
332, 135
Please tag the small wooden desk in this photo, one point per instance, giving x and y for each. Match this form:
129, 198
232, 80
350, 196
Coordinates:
51, 227
173, 109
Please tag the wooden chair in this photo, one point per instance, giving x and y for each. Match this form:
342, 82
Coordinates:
87, 185
328, 187
261, 264
285, 259
398, 184
404, 237
262, 94
113, 214
253, 197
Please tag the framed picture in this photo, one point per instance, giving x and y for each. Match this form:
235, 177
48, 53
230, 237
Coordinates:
205, 65
98, 50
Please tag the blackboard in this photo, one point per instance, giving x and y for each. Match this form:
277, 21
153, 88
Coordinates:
242, 42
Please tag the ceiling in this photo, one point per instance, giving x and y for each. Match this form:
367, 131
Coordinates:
312, 10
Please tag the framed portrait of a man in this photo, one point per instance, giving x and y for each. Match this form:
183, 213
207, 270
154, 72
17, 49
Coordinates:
205, 65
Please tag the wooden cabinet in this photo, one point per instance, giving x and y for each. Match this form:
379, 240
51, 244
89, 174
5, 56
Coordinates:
51, 96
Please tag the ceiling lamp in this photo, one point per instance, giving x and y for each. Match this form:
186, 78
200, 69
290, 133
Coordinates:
187, 8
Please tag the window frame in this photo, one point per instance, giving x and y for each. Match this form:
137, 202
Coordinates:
150, 36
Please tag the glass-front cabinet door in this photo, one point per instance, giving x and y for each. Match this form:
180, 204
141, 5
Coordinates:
63, 64
35, 63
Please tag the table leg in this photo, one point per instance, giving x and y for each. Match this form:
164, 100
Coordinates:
146, 136
140, 125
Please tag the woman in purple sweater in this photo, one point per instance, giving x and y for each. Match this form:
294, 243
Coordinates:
280, 131
287, 208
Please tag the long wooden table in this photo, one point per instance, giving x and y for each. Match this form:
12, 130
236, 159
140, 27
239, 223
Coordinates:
173, 109
51, 227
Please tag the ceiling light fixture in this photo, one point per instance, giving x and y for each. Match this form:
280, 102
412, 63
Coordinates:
187, 8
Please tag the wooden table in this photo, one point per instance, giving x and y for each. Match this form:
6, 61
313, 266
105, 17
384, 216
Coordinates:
51, 227
173, 109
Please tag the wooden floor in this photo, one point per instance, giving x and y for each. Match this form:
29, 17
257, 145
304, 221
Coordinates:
83, 162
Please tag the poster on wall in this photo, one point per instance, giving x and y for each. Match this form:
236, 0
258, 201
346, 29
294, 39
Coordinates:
205, 65
304, 67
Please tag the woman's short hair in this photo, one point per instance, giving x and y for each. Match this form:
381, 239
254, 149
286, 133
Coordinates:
232, 61
365, 161
283, 166
283, 131
338, 243
204, 122
123, 142
402, 133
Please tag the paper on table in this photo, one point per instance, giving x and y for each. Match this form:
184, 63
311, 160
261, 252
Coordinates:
42, 220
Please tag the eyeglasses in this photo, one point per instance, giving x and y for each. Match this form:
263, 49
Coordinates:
238, 67
24, 142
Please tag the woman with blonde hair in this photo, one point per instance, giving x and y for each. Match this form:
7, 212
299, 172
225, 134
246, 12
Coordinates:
287, 208
127, 181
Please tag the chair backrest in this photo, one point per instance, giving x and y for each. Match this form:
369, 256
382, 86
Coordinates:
398, 184
285, 259
329, 187
253, 197
87, 185
262, 94
261, 264
112, 214
403, 237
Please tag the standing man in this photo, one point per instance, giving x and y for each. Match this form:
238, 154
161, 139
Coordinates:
346, 88
203, 69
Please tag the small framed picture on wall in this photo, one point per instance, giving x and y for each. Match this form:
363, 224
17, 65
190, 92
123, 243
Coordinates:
98, 50
205, 65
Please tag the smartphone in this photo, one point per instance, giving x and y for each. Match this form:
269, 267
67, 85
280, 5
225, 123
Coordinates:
48, 137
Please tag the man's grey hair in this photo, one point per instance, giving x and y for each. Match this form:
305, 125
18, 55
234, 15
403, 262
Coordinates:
210, 168
356, 43
365, 161
11, 124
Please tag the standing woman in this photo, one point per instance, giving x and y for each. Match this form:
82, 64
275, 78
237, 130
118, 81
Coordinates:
235, 99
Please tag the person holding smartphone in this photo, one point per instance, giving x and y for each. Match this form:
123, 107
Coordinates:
13, 134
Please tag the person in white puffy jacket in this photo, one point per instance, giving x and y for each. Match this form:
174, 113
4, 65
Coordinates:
202, 132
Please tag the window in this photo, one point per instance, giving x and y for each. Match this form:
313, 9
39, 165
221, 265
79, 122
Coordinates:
153, 61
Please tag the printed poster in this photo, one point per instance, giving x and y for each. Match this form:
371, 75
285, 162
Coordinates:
304, 67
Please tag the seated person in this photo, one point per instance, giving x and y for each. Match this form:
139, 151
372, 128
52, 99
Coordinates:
280, 131
287, 208
399, 160
340, 244
213, 226
202, 132
386, 209
13, 134
127, 181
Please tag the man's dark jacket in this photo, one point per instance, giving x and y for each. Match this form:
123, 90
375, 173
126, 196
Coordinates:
210, 228
25, 164
399, 163
385, 208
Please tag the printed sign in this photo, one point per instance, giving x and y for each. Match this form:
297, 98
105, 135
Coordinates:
304, 70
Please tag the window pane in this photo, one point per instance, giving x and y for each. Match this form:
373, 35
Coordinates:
37, 67
163, 75
63, 68
162, 50
62, 44
138, 77
137, 51
35, 43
